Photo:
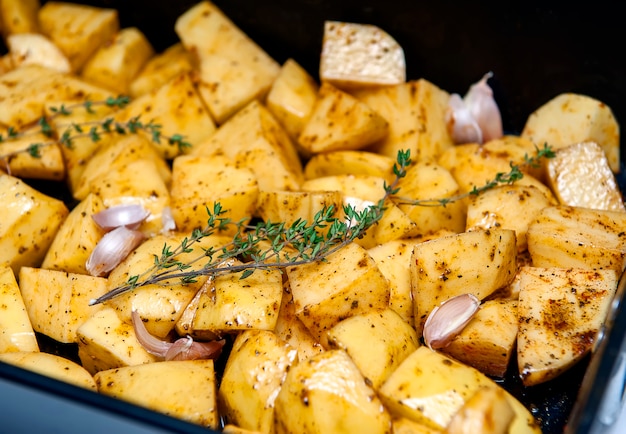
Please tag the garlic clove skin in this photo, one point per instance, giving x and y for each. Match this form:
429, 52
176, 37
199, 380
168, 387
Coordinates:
129, 215
188, 349
112, 249
482, 106
460, 123
449, 319
151, 344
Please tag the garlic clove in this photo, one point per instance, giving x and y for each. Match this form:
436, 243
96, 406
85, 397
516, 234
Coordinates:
460, 123
129, 215
482, 106
112, 249
151, 344
167, 220
448, 319
188, 349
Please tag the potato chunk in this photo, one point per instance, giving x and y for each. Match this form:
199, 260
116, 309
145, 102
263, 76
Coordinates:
34, 48
327, 393
561, 311
356, 55
16, 331
19, 16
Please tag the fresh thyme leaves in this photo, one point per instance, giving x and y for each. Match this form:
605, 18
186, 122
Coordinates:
93, 130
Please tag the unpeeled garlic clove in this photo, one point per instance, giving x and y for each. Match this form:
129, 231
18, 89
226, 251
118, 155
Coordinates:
129, 215
460, 123
448, 320
112, 249
481, 104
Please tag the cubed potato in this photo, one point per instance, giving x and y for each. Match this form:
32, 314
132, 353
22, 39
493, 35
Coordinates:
161, 68
348, 282
253, 138
35, 48
115, 64
580, 175
478, 262
28, 89
106, 342
291, 206
360, 55
234, 70
76, 238
293, 331
430, 388
33, 156
78, 30
254, 373
403, 425
573, 237
186, 389
235, 303
349, 163
19, 16
431, 183
178, 109
488, 342
160, 305
52, 366
16, 331
570, 118
292, 97
416, 114
488, 412
383, 333
305, 403
507, 206
340, 122
200, 182
58, 302
29, 223
561, 311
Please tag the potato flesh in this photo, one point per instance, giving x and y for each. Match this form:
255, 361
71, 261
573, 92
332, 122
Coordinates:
16, 331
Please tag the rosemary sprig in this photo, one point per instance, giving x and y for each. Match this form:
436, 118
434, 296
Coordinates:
269, 245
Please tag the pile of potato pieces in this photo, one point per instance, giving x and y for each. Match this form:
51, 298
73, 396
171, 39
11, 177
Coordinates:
268, 141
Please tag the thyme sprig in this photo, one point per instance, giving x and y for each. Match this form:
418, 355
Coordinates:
268, 245
515, 174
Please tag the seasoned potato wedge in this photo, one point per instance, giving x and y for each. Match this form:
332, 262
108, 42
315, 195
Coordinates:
35, 48
561, 311
571, 118
16, 331
305, 403
487, 412
291, 206
360, 55
51, 365
430, 388
349, 163
19, 16
254, 373
58, 302
22, 160
340, 122
186, 389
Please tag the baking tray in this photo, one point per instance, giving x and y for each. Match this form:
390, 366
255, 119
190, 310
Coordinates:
535, 51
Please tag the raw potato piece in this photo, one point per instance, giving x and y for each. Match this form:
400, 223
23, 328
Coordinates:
416, 115
76, 238
509, 207
29, 223
34, 48
116, 63
571, 118
430, 388
292, 97
186, 389
253, 376
162, 68
349, 163
488, 342
340, 122
201, 182
478, 262
291, 206
487, 412
327, 393
53, 366
253, 138
234, 70
572, 237
58, 302
560, 312
383, 333
18, 161
78, 30
403, 425
16, 332
19, 16
347, 283
579, 175
357, 55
